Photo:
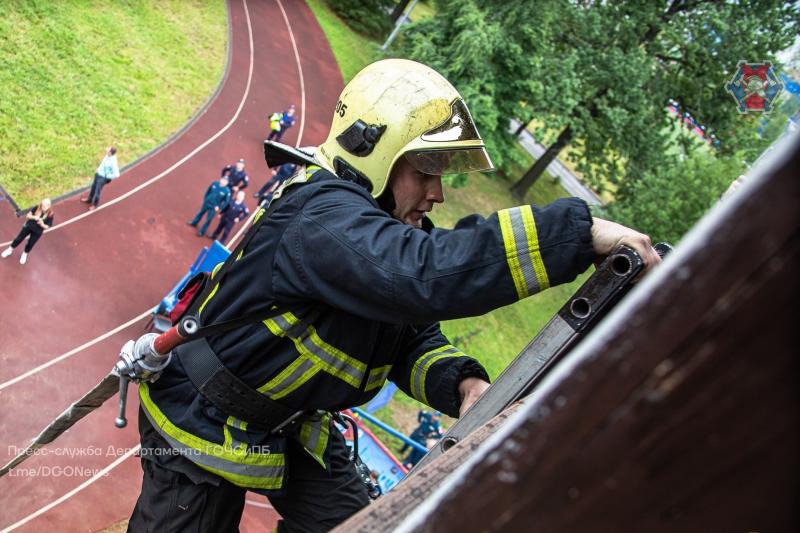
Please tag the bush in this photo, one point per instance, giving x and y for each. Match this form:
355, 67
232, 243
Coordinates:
667, 202
368, 17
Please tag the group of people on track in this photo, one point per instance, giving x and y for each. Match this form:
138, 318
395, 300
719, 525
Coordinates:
223, 198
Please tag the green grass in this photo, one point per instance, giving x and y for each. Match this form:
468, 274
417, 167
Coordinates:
77, 76
352, 50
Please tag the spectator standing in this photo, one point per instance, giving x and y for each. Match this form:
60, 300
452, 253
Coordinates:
107, 171
37, 220
428, 428
217, 197
279, 123
237, 177
283, 173
229, 216
415, 455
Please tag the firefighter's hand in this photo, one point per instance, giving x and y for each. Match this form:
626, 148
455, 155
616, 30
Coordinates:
607, 236
470, 389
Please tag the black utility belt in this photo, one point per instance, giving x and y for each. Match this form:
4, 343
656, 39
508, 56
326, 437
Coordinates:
230, 394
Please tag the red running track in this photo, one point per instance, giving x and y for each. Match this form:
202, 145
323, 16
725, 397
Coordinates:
93, 278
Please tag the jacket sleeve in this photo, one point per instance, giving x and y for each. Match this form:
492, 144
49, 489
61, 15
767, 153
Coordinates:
428, 368
341, 249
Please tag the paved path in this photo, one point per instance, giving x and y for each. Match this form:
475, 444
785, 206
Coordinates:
91, 281
568, 180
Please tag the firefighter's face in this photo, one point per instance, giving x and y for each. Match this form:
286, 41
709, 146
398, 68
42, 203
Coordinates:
414, 193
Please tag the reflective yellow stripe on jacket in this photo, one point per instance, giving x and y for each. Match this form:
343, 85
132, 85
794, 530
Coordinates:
315, 355
240, 466
377, 377
521, 242
421, 366
314, 434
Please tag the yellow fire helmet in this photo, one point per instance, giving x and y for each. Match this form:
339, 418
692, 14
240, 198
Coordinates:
394, 108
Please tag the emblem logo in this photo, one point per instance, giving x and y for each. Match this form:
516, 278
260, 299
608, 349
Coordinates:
755, 87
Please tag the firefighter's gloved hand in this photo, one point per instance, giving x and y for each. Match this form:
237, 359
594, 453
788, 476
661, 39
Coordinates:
607, 236
139, 361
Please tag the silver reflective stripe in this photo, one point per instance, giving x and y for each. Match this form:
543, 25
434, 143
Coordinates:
421, 371
290, 330
239, 424
313, 436
291, 379
523, 250
377, 376
217, 463
334, 362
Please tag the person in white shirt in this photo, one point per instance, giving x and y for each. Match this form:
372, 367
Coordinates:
107, 171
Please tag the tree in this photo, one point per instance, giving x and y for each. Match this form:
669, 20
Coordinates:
399, 9
473, 50
370, 17
666, 202
628, 59
599, 75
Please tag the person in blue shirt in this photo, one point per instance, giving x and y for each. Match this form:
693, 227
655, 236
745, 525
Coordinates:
105, 173
217, 197
228, 217
283, 173
279, 123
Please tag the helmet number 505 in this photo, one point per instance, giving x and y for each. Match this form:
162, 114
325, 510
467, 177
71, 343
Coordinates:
341, 108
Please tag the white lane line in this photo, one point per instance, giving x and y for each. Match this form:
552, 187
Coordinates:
72, 352
249, 222
73, 492
112, 202
185, 158
68, 354
300, 72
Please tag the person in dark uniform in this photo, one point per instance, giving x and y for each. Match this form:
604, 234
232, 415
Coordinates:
352, 280
237, 177
217, 197
228, 217
428, 427
280, 175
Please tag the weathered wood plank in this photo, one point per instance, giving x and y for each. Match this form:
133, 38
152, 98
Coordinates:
679, 413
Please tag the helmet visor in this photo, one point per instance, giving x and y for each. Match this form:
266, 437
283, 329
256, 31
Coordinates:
458, 127
450, 160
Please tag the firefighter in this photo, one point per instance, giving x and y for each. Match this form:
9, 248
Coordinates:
349, 258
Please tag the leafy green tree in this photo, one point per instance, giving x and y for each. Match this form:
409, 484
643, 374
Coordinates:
667, 201
369, 17
473, 50
600, 74
628, 59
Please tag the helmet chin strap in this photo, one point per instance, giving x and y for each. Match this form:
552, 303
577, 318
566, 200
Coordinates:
386, 200
346, 171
